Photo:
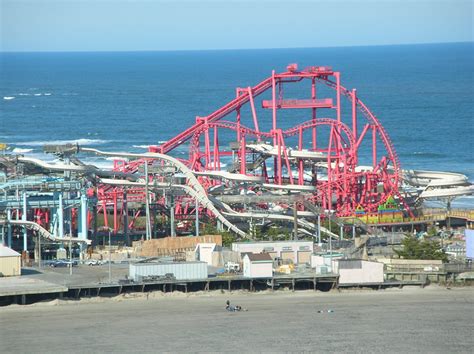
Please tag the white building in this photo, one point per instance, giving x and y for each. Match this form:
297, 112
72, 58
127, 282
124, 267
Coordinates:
325, 263
258, 265
204, 252
10, 262
298, 252
352, 271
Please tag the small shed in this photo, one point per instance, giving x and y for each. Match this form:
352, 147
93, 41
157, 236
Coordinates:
352, 271
258, 265
204, 252
10, 262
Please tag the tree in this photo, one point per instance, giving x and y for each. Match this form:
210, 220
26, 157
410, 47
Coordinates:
413, 248
227, 238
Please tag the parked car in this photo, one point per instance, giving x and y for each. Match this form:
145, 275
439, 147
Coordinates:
63, 263
58, 264
93, 262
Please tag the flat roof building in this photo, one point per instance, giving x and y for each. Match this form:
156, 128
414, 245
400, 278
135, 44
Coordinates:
298, 252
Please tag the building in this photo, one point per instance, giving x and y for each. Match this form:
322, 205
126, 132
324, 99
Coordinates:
10, 262
204, 252
299, 252
325, 262
469, 243
179, 270
258, 265
353, 271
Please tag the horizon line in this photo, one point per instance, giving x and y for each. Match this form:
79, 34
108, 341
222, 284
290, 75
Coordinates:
228, 49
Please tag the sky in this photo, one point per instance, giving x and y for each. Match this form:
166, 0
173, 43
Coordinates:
132, 25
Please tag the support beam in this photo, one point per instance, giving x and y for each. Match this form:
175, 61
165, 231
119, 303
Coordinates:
23, 217
9, 228
197, 217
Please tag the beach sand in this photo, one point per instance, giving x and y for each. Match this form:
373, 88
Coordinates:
433, 319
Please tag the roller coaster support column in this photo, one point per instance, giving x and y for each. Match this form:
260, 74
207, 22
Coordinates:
338, 96
9, 228
61, 216
23, 217
83, 223
243, 166
354, 113
313, 96
125, 218
274, 105
197, 217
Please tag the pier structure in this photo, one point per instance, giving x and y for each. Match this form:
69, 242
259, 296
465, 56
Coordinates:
296, 148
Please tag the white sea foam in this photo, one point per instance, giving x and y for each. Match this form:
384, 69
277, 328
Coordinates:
101, 164
8, 97
58, 142
37, 94
162, 141
24, 94
47, 93
21, 151
141, 146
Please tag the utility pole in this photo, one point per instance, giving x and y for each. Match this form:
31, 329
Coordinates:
39, 251
295, 221
70, 254
147, 204
173, 231
110, 258
319, 230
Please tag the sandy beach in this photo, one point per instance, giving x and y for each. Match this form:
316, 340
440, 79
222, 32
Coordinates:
433, 319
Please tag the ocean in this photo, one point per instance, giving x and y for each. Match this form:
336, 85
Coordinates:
125, 101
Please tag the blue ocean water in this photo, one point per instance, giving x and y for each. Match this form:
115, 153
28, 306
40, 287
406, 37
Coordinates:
422, 94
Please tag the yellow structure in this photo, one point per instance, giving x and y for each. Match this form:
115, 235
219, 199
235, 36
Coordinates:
10, 262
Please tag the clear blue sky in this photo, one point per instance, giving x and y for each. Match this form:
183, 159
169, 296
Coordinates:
121, 25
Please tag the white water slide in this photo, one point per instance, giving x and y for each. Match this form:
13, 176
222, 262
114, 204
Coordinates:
30, 225
438, 184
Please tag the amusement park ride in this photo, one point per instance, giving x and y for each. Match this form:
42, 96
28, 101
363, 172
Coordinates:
289, 147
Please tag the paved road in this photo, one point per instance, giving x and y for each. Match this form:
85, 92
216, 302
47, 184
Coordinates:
408, 320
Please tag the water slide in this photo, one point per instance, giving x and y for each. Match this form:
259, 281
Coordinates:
438, 184
30, 225
196, 190
71, 167
269, 216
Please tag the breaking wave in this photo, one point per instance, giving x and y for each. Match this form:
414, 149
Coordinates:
58, 142
21, 151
